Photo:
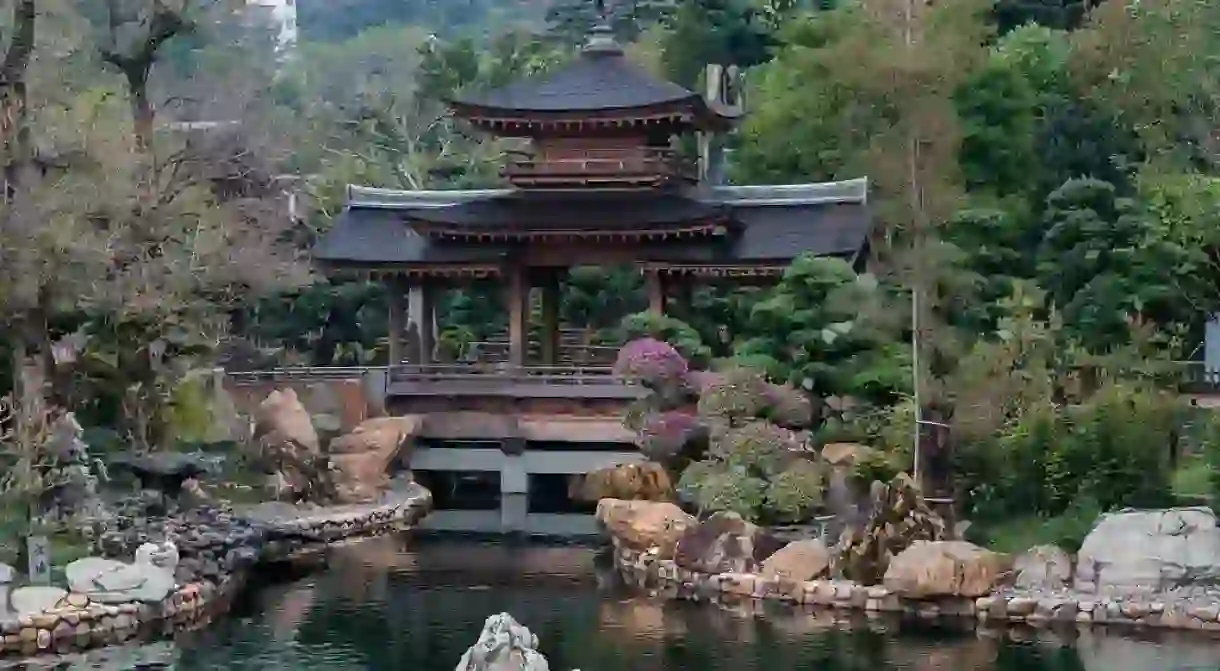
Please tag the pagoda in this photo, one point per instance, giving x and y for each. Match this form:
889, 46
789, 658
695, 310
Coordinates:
600, 184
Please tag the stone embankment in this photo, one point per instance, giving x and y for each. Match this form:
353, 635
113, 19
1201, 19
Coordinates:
1153, 569
213, 549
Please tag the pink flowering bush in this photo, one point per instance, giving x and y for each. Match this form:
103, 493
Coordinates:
652, 363
662, 435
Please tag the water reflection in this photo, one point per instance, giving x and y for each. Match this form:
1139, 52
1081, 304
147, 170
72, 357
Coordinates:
397, 603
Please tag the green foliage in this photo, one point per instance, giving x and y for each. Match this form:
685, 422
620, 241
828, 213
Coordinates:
793, 493
758, 447
737, 396
713, 486
1019, 533
812, 331
1112, 450
669, 329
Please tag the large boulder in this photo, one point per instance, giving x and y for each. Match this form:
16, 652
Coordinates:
361, 459
942, 569
282, 419
504, 645
725, 543
648, 481
798, 561
288, 447
1150, 550
1043, 567
643, 525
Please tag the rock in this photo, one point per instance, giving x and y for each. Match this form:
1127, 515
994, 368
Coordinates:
798, 561
898, 517
724, 543
503, 645
844, 455
163, 471
110, 581
648, 481
1043, 567
361, 459
1150, 550
642, 525
283, 418
36, 599
162, 555
943, 568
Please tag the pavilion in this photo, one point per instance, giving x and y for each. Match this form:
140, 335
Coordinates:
602, 184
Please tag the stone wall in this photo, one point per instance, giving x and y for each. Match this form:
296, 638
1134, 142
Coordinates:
1198, 610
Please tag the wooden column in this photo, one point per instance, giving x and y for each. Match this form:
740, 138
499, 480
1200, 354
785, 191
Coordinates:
550, 318
422, 305
518, 313
396, 291
655, 286
683, 299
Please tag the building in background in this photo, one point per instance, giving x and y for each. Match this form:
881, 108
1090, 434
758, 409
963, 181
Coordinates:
283, 17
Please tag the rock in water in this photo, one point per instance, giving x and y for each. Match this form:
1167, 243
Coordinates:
504, 645
642, 525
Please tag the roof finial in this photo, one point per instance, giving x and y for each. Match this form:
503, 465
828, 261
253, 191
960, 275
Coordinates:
601, 36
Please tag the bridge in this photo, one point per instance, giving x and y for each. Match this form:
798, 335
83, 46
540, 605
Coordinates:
497, 444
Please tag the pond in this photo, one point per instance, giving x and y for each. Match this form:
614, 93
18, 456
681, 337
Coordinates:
407, 603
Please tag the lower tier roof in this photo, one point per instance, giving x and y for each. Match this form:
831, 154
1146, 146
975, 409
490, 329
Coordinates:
771, 225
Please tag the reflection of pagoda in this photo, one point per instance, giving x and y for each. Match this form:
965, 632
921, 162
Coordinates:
600, 185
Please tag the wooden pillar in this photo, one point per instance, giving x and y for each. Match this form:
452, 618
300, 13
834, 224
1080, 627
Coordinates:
550, 319
518, 313
422, 305
655, 286
396, 291
682, 300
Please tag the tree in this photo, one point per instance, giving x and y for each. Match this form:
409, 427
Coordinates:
814, 331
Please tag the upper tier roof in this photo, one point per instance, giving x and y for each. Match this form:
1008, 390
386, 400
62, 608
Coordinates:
600, 82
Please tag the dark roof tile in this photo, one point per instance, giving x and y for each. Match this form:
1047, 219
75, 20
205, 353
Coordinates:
597, 81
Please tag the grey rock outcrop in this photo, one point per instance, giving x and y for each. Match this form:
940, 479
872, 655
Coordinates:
36, 599
110, 581
1150, 550
1043, 567
504, 645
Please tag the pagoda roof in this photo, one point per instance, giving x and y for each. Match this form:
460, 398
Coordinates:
601, 83
379, 229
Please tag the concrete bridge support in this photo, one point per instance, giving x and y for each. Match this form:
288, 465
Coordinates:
515, 470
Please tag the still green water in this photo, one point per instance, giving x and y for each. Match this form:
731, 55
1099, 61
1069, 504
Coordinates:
411, 605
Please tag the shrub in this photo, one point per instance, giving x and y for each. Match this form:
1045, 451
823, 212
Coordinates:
714, 486
652, 363
662, 435
792, 494
1112, 450
759, 447
789, 407
683, 337
739, 395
